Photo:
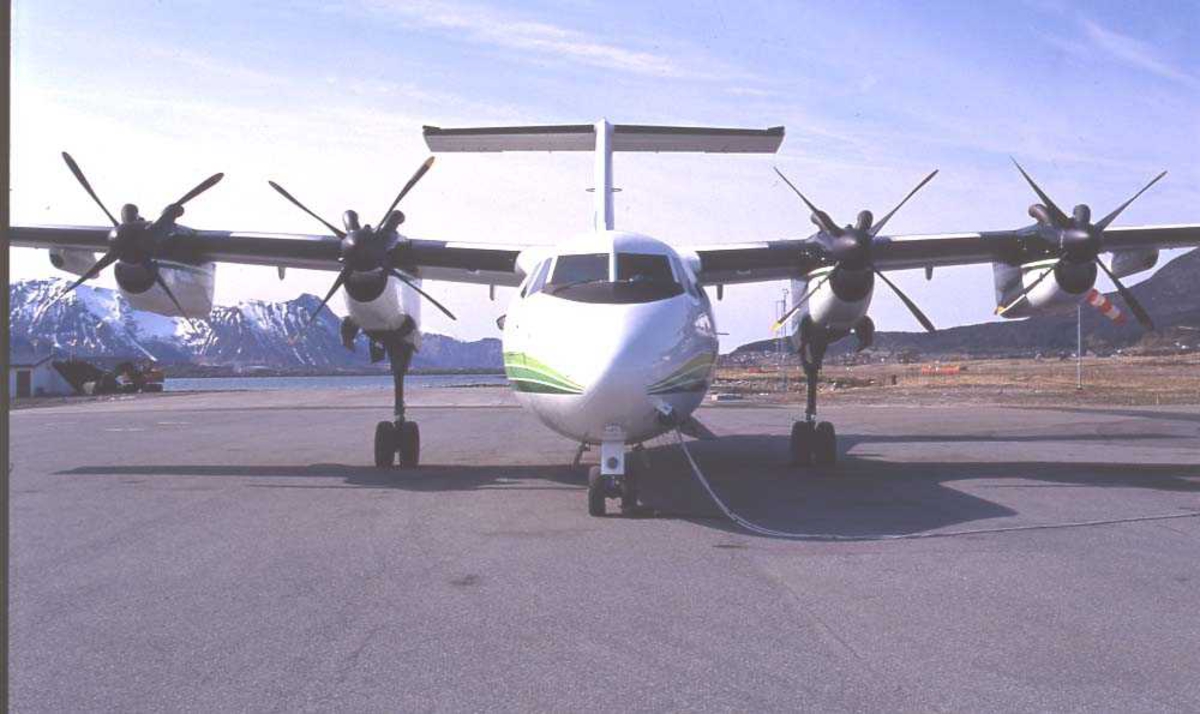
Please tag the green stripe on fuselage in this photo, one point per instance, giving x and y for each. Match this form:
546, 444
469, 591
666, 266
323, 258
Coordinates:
531, 375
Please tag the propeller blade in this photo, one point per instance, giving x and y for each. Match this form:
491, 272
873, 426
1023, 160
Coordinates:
175, 301
407, 187
1138, 311
799, 303
912, 306
334, 229
408, 281
201, 188
1060, 218
827, 223
882, 221
1001, 310
87, 186
1107, 220
105, 260
337, 283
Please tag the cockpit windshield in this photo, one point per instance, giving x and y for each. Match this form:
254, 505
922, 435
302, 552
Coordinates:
642, 266
640, 277
576, 269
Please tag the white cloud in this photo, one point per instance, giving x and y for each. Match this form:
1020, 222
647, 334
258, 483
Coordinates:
1135, 53
482, 25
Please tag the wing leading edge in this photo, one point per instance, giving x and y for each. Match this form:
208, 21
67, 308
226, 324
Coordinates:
752, 262
430, 259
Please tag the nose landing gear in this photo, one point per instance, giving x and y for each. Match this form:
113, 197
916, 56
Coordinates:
602, 487
622, 484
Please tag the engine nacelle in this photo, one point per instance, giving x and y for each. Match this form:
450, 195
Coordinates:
383, 306
837, 305
73, 261
192, 285
1067, 284
1128, 262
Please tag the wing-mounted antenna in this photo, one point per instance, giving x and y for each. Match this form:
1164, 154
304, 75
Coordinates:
603, 138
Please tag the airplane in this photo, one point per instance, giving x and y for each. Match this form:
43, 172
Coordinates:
611, 338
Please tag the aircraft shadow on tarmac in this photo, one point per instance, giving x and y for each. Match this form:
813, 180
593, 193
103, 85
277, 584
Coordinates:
863, 495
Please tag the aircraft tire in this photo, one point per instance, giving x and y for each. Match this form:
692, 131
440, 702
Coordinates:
596, 495
825, 444
629, 489
409, 441
385, 444
802, 443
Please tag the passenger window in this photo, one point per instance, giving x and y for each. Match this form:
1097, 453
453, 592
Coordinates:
572, 269
639, 267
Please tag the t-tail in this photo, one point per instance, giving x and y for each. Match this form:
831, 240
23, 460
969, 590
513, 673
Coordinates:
603, 139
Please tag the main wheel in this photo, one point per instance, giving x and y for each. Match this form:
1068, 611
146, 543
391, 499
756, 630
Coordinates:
385, 444
825, 445
409, 441
596, 494
802, 443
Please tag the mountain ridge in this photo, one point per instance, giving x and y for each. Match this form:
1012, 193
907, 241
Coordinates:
98, 323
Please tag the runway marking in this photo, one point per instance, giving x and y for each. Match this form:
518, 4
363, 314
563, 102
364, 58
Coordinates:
124, 428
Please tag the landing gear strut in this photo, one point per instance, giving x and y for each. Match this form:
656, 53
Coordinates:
397, 441
623, 486
812, 442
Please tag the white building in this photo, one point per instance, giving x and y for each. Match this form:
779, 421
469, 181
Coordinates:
35, 376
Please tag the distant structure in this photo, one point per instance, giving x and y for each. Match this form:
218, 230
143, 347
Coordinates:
33, 375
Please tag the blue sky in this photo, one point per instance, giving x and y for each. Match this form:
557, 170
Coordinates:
328, 98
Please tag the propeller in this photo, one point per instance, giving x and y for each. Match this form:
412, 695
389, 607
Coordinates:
850, 247
1076, 240
133, 239
365, 249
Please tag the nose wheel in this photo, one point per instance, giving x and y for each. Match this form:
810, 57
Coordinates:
602, 487
397, 443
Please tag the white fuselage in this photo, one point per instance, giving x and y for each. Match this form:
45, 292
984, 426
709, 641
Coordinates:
600, 367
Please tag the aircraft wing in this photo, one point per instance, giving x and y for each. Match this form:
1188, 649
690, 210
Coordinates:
752, 262
429, 259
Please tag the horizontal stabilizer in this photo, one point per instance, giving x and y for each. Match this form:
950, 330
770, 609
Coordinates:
625, 137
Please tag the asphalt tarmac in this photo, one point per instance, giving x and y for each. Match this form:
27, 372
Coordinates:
236, 552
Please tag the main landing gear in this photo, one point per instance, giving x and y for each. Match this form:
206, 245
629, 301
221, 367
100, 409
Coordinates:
813, 442
397, 442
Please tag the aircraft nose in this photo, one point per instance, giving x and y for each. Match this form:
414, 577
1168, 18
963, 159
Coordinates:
625, 360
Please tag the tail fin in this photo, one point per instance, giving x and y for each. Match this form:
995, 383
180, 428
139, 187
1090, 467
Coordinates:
604, 138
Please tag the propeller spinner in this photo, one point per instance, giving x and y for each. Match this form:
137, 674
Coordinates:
133, 239
850, 247
1075, 239
365, 249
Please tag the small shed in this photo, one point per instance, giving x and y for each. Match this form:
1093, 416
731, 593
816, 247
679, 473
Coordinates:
31, 375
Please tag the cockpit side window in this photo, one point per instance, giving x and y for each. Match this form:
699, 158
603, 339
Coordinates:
539, 278
641, 267
576, 269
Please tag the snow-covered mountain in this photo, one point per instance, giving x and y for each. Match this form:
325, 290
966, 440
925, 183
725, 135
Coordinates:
98, 322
